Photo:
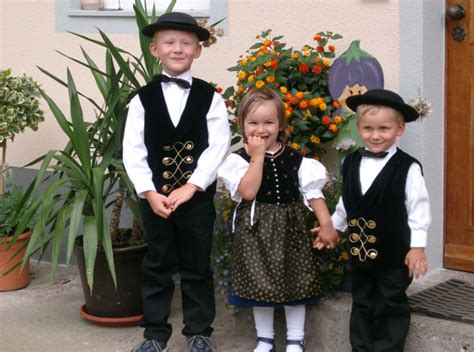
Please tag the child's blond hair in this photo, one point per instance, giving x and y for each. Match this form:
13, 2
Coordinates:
364, 109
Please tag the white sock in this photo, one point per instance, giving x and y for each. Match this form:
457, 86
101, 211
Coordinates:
264, 325
295, 318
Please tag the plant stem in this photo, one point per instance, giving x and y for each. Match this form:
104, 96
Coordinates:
3, 145
115, 219
136, 231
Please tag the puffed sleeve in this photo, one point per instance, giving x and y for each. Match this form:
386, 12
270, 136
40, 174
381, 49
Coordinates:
312, 176
231, 172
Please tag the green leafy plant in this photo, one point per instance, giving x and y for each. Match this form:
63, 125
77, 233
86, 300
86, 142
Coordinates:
82, 179
300, 76
8, 204
222, 241
333, 263
19, 109
19, 105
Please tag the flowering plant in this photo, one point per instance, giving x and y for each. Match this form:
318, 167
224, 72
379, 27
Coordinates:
301, 78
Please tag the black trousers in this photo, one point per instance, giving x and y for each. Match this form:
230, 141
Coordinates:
180, 244
380, 315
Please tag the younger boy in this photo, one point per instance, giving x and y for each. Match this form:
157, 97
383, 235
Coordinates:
176, 136
385, 206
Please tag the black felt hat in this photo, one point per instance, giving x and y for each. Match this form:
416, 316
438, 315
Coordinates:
386, 98
176, 20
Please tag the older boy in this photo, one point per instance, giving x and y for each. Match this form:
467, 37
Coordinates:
176, 136
385, 206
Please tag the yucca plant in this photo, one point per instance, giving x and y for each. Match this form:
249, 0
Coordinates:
75, 186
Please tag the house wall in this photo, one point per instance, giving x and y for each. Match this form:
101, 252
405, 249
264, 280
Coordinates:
405, 36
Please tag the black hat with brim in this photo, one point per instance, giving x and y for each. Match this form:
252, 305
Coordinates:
386, 98
176, 20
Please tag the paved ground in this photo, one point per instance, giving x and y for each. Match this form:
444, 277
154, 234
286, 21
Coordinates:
45, 318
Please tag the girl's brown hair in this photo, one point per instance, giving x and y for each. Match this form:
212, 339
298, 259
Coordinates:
252, 99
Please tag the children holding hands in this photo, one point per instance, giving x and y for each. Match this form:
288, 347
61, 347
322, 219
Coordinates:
175, 139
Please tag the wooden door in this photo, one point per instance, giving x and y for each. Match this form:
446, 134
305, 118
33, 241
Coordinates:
459, 167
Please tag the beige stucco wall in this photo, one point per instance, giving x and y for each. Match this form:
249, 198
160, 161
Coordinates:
28, 39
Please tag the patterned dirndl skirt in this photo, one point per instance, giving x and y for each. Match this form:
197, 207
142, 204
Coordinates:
273, 260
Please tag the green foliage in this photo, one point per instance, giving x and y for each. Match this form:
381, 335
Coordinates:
333, 263
8, 205
19, 105
222, 241
73, 186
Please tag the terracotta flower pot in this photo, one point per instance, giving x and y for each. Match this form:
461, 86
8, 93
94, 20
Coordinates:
15, 279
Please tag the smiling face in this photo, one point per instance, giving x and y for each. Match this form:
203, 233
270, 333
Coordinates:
379, 127
176, 50
262, 121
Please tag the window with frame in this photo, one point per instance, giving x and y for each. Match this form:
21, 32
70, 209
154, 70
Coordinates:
117, 16
160, 5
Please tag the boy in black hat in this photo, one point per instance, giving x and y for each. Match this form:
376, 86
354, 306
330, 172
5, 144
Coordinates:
385, 206
176, 136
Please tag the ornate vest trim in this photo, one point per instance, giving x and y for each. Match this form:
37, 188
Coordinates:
173, 152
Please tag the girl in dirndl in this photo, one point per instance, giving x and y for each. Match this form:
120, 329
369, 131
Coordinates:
274, 259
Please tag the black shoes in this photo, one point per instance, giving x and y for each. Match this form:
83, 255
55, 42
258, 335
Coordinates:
150, 346
198, 343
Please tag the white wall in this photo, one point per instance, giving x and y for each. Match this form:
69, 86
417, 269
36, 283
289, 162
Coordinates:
405, 36
29, 39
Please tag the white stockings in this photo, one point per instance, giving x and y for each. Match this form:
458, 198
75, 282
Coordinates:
295, 318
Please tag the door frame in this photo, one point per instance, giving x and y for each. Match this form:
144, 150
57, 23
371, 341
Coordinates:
422, 29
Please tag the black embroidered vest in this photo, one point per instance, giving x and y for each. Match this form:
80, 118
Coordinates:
173, 152
379, 235
280, 182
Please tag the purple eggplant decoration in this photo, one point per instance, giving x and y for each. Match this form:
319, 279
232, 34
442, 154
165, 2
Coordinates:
354, 69
354, 72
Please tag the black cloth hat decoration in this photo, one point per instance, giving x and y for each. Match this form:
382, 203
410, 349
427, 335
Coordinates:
176, 20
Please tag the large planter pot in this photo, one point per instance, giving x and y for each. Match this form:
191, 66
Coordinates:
15, 279
108, 305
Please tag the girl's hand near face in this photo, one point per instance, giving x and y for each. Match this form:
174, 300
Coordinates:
250, 183
255, 148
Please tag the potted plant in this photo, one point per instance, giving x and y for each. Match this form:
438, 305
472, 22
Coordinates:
19, 109
87, 178
12, 277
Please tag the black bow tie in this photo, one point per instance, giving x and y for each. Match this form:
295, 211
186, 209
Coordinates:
165, 79
369, 154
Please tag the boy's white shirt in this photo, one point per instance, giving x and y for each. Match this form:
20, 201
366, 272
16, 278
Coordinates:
416, 197
135, 152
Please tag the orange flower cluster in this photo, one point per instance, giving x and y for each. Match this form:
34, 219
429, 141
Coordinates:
300, 76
